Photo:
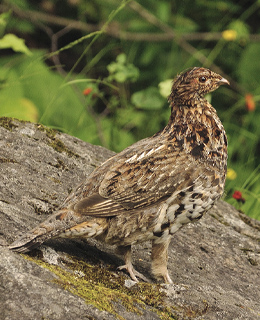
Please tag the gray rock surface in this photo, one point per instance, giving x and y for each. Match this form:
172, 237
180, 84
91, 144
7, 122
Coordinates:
214, 264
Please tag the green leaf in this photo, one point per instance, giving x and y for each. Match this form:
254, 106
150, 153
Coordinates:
22, 109
4, 17
184, 24
165, 87
115, 138
25, 26
249, 68
121, 58
11, 41
149, 98
59, 105
121, 71
240, 28
12, 100
10, 85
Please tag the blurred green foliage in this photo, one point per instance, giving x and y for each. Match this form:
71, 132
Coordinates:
101, 70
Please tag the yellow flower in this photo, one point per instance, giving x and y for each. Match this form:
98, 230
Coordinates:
231, 174
229, 35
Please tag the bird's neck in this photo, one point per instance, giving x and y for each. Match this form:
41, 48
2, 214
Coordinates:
191, 116
188, 99
198, 131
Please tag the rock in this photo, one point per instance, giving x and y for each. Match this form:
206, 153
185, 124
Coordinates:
214, 264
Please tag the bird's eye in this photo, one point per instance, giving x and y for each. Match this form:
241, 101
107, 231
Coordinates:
202, 79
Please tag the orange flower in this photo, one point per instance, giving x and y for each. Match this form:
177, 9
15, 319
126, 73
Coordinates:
250, 102
87, 91
238, 196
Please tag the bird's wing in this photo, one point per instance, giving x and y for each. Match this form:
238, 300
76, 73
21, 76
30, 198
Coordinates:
137, 177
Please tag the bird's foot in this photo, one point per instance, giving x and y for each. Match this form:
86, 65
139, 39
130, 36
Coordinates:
162, 276
133, 273
167, 278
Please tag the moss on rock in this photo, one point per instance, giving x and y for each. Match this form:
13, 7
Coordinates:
104, 289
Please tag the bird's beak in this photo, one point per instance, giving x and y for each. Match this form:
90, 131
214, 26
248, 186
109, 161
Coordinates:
223, 81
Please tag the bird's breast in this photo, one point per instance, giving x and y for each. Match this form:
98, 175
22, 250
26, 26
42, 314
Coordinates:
187, 205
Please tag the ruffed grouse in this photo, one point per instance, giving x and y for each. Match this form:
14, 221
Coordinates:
152, 188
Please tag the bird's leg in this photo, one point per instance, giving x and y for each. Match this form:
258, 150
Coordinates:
160, 259
126, 252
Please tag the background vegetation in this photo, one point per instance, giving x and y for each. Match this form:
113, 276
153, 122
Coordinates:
101, 70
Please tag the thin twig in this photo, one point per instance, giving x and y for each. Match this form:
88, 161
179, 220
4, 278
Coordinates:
116, 30
54, 47
182, 42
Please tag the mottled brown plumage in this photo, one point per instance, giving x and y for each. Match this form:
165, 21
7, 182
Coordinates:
152, 188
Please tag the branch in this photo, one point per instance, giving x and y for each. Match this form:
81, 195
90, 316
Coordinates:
182, 42
115, 30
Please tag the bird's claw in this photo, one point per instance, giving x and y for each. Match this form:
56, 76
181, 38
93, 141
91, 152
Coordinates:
133, 273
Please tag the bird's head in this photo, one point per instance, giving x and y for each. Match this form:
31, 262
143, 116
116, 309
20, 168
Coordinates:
192, 85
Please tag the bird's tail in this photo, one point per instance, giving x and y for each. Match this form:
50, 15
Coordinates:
51, 227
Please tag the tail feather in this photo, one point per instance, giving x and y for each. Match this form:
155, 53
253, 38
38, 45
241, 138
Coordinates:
50, 228
29, 241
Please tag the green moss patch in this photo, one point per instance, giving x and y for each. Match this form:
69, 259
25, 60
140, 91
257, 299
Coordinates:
7, 123
104, 289
54, 142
